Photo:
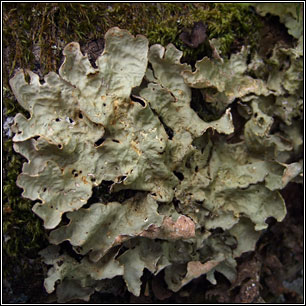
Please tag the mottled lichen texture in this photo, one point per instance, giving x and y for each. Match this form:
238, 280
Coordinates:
200, 200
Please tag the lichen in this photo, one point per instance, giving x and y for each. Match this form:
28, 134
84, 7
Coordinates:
170, 154
34, 35
111, 124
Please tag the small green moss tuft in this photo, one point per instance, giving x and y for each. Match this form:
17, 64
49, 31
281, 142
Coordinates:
233, 24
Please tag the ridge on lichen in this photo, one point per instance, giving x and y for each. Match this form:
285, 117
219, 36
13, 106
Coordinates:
111, 123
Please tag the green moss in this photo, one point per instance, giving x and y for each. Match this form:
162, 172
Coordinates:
48, 27
233, 24
52, 25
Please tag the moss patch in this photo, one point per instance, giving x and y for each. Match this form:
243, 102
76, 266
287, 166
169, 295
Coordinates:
41, 30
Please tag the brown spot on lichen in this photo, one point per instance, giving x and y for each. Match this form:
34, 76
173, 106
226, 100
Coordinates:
134, 147
84, 180
90, 75
196, 268
183, 228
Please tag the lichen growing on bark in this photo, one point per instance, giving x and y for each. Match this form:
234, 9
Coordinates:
111, 123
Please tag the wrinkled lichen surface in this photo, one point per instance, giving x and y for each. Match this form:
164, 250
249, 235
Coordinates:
200, 200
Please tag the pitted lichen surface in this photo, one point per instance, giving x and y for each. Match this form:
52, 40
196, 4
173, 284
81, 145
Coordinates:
130, 122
